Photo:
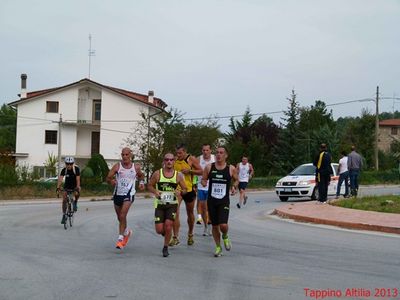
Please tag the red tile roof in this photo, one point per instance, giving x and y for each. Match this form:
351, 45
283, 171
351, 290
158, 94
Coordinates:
390, 122
135, 96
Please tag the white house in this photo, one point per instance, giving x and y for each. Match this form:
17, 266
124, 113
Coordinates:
77, 119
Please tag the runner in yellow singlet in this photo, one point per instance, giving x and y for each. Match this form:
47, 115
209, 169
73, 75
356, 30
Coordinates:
189, 166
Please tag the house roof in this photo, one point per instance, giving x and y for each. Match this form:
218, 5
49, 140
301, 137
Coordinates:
157, 102
390, 122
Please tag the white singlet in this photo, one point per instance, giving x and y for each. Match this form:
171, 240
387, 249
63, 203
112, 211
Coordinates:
244, 172
203, 164
125, 181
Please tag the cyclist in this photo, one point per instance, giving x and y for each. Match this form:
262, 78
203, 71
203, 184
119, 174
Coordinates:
72, 175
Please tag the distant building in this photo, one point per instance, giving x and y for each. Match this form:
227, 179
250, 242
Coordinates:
389, 131
96, 118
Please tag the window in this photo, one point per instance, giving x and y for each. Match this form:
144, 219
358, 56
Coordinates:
96, 110
51, 137
394, 131
52, 106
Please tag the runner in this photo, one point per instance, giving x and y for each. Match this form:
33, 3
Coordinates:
245, 172
220, 174
202, 191
188, 165
163, 184
123, 177
72, 182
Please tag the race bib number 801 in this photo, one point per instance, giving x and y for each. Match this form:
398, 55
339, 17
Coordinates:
218, 190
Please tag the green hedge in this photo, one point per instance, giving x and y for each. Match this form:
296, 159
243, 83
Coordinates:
378, 177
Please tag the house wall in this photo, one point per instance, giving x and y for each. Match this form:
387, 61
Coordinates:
33, 121
76, 107
112, 135
385, 137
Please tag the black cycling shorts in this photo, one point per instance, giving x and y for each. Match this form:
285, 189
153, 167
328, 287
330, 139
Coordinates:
165, 212
218, 211
189, 196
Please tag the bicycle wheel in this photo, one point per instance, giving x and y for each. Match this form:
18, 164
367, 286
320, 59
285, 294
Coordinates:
65, 223
71, 218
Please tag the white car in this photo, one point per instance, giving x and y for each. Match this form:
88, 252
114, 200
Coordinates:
301, 183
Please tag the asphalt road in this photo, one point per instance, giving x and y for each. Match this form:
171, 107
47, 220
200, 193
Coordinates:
270, 258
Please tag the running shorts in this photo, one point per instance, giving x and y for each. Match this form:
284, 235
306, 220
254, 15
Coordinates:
218, 211
164, 212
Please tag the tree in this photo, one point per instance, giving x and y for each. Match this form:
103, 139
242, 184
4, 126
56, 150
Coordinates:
8, 124
290, 150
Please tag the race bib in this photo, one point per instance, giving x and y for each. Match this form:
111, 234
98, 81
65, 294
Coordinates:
167, 196
218, 190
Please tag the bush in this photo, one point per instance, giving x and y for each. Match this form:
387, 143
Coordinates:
263, 182
376, 177
99, 166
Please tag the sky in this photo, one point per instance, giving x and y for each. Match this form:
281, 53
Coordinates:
210, 58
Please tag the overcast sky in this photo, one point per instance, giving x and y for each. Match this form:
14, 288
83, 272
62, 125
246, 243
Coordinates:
209, 57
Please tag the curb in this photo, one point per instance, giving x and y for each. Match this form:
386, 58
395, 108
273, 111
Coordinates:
339, 223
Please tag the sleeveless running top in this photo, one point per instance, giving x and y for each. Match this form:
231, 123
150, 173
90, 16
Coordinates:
125, 181
244, 172
203, 164
179, 165
167, 186
219, 183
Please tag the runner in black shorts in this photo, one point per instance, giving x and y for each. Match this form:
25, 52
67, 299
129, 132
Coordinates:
220, 174
163, 184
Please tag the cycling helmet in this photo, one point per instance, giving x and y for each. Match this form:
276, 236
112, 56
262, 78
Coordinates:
69, 160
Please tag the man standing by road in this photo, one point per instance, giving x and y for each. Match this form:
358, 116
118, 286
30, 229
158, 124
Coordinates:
163, 184
354, 163
205, 159
123, 177
343, 176
220, 175
189, 166
323, 173
72, 182
245, 172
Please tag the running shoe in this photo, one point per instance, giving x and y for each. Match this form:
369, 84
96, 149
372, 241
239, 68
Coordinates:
126, 238
209, 230
63, 219
75, 206
199, 220
174, 241
205, 232
218, 251
245, 200
190, 240
165, 252
227, 243
119, 244
238, 205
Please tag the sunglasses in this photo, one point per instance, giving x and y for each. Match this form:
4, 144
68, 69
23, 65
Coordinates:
169, 159
69, 164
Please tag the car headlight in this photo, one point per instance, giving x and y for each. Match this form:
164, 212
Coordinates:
279, 183
304, 182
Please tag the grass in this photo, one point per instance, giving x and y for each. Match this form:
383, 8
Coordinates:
387, 204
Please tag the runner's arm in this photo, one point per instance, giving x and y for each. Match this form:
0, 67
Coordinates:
251, 171
182, 184
110, 177
139, 175
204, 178
151, 186
196, 168
235, 180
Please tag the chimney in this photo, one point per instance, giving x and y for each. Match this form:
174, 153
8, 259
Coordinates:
151, 97
23, 86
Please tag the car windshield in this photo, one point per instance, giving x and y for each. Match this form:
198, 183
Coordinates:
304, 170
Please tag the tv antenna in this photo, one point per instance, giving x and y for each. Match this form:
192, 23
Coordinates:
91, 52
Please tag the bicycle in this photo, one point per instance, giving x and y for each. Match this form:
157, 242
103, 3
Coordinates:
69, 213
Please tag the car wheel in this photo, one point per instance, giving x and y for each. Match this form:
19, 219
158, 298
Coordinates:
283, 199
315, 194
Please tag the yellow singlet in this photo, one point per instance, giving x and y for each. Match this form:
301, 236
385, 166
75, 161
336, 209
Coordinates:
179, 165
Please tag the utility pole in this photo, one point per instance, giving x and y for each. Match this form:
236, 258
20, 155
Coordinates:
91, 52
376, 128
59, 145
